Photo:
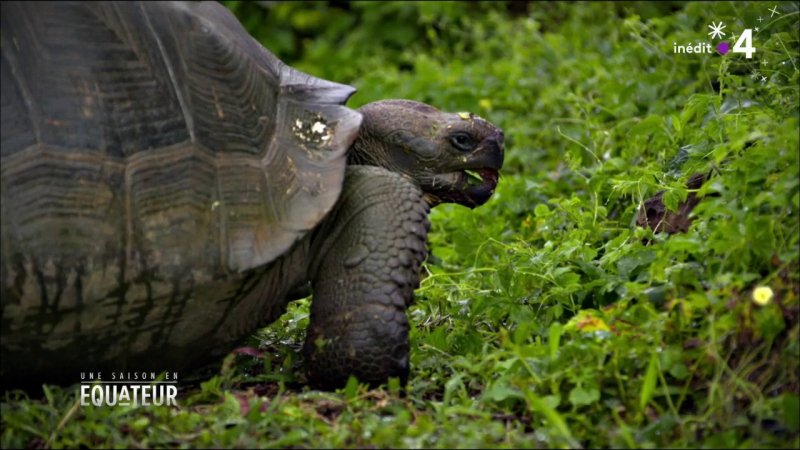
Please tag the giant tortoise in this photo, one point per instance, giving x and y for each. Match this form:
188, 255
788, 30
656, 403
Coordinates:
168, 186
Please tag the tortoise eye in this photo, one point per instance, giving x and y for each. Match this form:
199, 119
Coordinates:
462, 141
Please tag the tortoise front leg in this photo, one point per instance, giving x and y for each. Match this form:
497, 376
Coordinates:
369, 252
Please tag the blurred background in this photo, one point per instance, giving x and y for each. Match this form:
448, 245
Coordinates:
547, 63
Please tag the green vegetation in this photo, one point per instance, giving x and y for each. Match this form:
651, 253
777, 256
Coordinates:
544, 319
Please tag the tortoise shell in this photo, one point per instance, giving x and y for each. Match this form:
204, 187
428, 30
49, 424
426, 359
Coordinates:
155, 161
141, 137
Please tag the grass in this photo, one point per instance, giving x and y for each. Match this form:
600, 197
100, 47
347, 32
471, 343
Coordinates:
544, 319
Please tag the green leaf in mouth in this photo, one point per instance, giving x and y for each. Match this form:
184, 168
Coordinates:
473, 177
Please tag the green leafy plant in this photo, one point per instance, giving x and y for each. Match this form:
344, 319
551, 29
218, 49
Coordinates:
544, 318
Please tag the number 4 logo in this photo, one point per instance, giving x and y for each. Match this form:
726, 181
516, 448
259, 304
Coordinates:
745, 44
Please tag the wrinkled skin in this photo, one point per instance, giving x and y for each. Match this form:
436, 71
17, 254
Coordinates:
377, 233
432, 148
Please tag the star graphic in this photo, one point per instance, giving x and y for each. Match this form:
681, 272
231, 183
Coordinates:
716, 30
760, 19
763, 79
755, 75
733, 36
756, 29
774, 11
763, 62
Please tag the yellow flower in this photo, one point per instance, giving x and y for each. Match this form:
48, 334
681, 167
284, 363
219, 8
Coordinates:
588, 321
762, 295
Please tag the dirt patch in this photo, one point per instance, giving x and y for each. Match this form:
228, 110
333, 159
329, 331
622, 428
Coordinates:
654, 215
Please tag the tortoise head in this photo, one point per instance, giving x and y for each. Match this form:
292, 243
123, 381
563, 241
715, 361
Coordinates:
453, 157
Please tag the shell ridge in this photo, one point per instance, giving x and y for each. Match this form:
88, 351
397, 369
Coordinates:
187, 115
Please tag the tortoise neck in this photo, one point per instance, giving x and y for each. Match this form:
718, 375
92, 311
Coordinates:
369, 147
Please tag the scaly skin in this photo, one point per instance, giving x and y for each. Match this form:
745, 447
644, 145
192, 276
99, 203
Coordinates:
367, 254
365, 270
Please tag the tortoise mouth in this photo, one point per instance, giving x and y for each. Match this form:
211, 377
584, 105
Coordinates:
468, 187
481, 177
479, 188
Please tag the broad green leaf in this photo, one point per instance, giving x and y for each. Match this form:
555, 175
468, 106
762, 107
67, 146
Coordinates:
580, 396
